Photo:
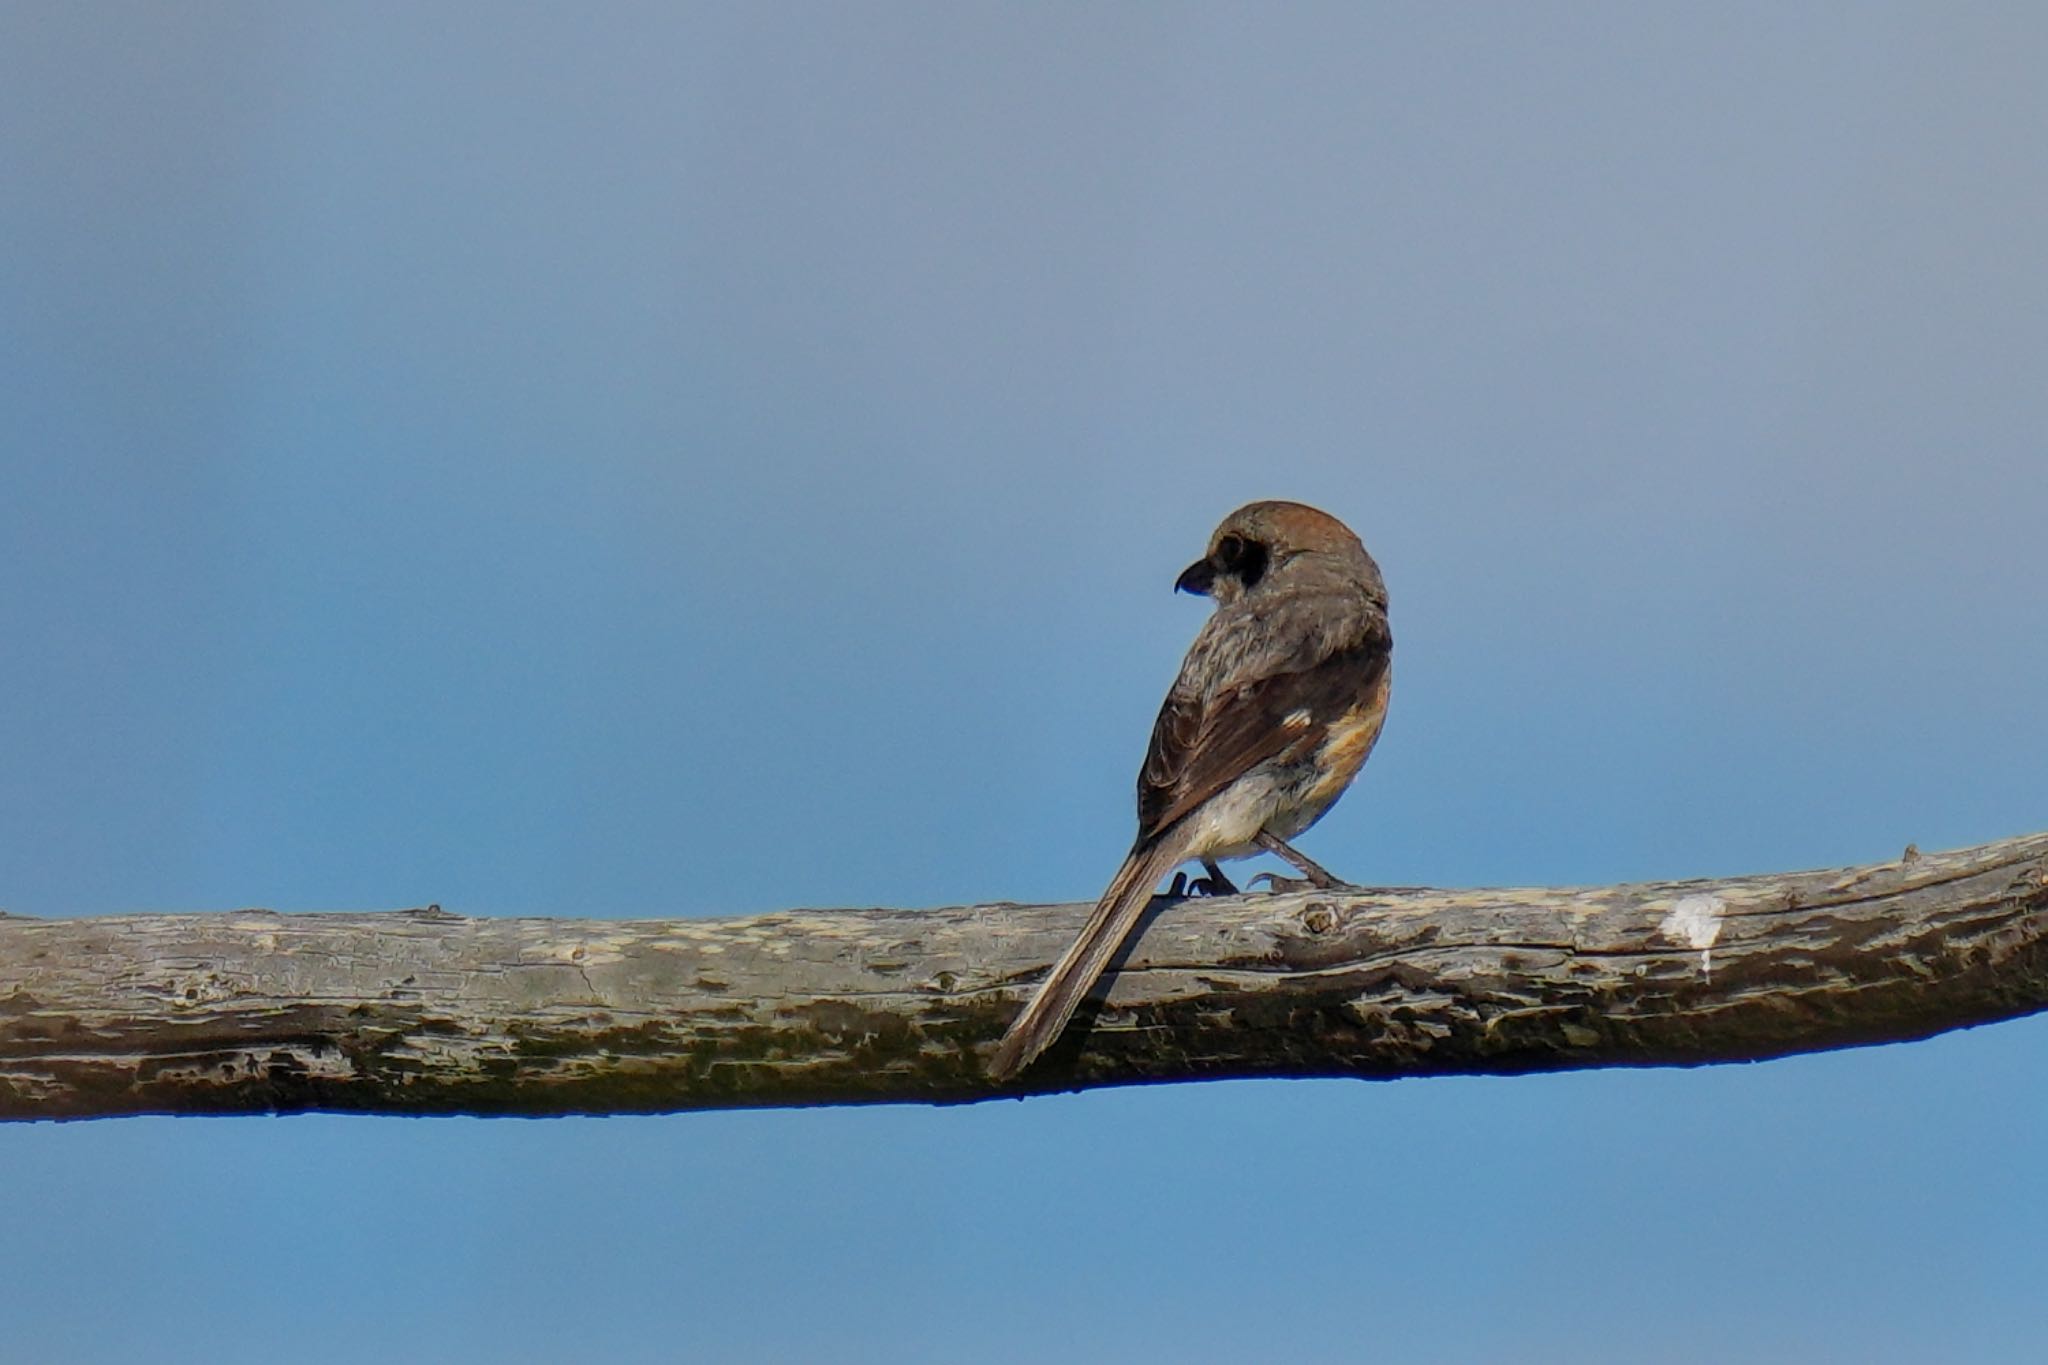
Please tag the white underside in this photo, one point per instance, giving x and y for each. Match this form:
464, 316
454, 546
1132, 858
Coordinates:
1227, 824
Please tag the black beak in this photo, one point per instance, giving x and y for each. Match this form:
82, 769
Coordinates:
1197, 578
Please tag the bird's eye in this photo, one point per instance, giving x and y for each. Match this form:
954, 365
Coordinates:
1245, 559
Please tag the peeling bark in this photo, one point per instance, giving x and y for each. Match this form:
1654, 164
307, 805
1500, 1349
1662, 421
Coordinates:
419, 1012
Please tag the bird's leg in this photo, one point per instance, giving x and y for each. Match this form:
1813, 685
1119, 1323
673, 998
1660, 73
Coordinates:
1214, 884
1312, 872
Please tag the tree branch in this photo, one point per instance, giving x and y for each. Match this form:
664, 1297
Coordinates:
419, 1012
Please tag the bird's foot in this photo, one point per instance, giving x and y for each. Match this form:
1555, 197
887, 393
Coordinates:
1213, 882
1313, 873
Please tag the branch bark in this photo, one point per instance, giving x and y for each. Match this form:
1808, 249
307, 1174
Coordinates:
419, 1012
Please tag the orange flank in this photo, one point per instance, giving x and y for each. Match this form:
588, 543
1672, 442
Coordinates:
1350, 741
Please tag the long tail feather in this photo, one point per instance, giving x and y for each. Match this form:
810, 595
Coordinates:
1068, 983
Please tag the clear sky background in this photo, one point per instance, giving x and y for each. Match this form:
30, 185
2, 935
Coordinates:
660, 460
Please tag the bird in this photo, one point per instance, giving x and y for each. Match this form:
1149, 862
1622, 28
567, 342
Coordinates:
1277, 706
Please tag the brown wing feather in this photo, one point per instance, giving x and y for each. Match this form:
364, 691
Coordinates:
1202, 742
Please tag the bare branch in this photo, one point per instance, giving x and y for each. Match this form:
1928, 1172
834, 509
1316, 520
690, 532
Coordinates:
419, 1012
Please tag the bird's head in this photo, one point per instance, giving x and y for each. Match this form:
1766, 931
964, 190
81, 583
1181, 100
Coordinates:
1263, 544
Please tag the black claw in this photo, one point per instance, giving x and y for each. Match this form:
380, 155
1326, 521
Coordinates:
1215, 884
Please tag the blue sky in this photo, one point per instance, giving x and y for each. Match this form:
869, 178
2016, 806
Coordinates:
667, 460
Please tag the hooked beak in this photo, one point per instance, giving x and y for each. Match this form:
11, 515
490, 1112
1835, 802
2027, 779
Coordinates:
1197, 578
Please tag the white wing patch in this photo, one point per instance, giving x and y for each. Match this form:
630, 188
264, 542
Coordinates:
1298, 720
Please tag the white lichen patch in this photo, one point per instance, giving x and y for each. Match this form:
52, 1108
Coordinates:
1696, 922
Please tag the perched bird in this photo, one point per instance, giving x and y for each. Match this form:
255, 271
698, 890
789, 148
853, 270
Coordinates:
1277, 705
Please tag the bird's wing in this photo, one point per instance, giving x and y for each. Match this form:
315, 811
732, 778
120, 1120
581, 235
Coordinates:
1266, 700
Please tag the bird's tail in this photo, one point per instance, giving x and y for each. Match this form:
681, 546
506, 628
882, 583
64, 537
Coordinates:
1066, 985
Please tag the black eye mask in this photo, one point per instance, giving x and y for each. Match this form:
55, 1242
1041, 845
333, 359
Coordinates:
1246, 559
